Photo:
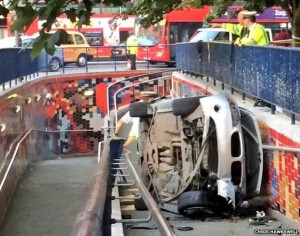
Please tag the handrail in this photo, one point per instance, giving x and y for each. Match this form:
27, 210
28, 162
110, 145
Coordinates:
128, 86
37, 130
12, 159
89, 220
128, 79
99, 150
161, 222
280, 148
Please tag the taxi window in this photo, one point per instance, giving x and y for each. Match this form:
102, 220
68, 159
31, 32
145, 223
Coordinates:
68, 40
79, 39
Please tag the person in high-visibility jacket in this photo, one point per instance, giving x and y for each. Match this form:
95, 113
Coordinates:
132, 49
257, 34
237, 29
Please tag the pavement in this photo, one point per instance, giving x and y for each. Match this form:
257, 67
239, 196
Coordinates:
198, 225
49, 196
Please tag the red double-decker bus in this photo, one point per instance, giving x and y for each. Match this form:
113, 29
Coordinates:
177, 26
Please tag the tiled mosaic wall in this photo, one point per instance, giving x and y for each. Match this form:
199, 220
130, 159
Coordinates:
283, 168
77, 103
284, 173
51, 108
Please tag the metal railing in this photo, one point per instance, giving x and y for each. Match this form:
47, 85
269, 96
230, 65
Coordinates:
163, 226
16, 63
94, 218
132, 85
267, 73
111, 99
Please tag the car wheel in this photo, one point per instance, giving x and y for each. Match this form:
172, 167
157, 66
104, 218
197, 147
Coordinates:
206, 202
140, 109
54, 64
185, 106
194, 200
81, 60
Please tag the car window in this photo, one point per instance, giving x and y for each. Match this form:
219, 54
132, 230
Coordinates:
79, 39
204, 36
68, 40
222, 36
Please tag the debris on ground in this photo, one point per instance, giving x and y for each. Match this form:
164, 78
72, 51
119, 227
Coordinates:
185, 228
260, 219
144, 226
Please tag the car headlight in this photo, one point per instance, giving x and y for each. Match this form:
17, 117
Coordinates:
235, 114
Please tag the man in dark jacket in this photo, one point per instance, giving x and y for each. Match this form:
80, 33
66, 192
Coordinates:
282, 36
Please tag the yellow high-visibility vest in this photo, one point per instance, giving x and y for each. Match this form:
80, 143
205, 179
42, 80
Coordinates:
132, 45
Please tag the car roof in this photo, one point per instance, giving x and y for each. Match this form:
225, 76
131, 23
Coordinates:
10, 42
202, 34
212, 29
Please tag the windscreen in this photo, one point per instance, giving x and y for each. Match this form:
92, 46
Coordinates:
204, 36
182, 31
151, 35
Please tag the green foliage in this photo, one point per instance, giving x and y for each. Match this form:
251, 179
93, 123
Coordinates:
25, 17
80, 11
48, 41
27, 11
3, 11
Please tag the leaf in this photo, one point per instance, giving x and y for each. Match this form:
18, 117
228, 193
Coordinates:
3, 11
24, 17
38, 46
48, 41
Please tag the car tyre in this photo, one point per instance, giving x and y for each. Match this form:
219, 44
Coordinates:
194, 199
206, 202
81, 60
140, 109
185, 106
54, 64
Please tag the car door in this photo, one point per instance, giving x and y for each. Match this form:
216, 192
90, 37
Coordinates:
69, 49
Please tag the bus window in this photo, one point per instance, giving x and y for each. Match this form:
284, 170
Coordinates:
94, 38
124, 36
177, 26
183, 30
153, 33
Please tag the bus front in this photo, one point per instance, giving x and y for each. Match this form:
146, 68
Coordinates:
177, 26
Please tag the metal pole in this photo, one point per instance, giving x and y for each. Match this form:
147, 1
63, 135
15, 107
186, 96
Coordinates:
142, 82
162, 224
278, 148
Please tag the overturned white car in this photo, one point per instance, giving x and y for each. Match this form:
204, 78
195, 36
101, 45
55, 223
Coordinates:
204, 152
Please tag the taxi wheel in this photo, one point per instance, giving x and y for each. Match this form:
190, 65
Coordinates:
81, 60
54, 64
